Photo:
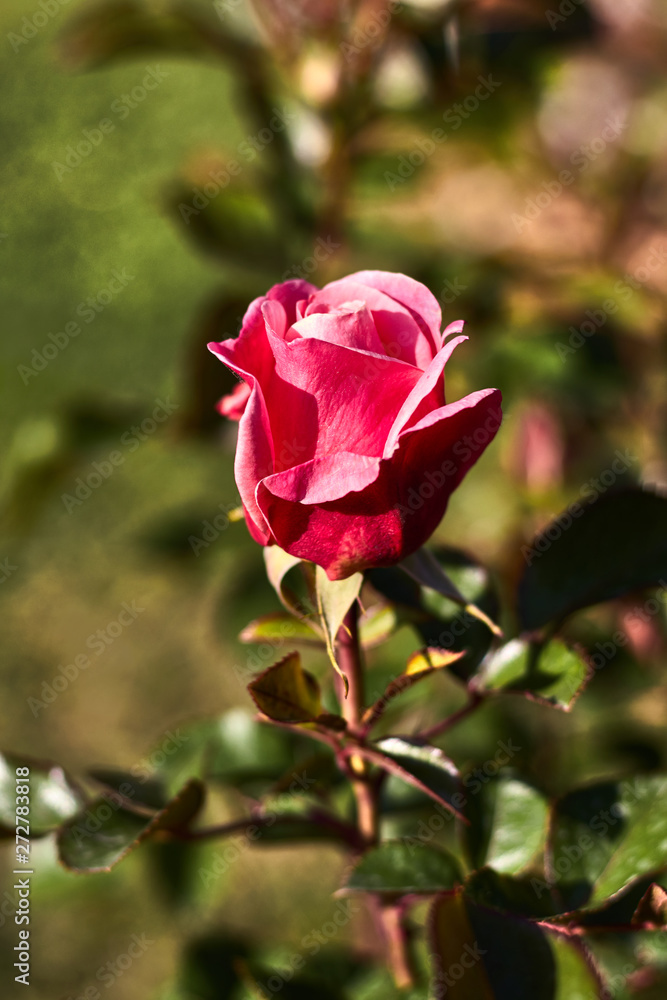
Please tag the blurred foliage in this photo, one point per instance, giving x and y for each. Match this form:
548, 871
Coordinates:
510, 156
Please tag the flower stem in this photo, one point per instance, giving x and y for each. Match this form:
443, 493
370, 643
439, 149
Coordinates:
349, 660
389, 917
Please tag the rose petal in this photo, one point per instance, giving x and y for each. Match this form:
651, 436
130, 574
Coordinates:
397, 512
324, 479
326, 398
417, 298
234, 403
429, 391
350, 326
400, 333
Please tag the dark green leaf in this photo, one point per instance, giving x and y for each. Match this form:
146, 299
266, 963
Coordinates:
616, 545
483, 954
286, 692
424, 567
508, 824
149, 792
509, 893
53, 797
401, 866
97, 839
605, 836
431, 770
435, 618
553, 674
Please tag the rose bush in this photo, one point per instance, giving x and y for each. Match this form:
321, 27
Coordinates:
347, 451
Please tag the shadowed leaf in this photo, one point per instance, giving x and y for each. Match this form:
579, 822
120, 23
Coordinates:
616, 545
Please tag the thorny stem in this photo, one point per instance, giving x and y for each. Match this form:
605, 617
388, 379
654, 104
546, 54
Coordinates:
389, 917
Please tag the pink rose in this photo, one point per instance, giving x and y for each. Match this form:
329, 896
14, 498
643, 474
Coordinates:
347, 452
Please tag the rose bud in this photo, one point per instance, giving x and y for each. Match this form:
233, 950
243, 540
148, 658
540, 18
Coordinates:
347, 451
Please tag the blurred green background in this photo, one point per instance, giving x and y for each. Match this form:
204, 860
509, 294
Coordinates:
561, 281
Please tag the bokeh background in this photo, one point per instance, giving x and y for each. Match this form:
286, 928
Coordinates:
512, 156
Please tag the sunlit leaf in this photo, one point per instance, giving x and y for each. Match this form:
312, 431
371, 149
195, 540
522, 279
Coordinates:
286, 692
553, 674
53, 798
508, 824
281, 627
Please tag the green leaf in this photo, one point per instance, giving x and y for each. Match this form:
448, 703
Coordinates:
377, 624
508, 825
250, 755
633, 963
616, 545
53, 797
434, 617
334, 600
606, 836
423, 567
100, 837
504, 957
512, 894
286, 692
400, 867
148, 792
426, 767
278, 564
552, 675
281, 627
